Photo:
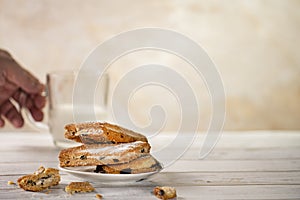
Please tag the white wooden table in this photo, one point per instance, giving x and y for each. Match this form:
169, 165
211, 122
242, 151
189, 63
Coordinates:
244, 165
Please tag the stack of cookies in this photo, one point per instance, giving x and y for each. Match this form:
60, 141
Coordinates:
110, 148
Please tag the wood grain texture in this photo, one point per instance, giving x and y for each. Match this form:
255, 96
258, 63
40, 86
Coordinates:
256, 165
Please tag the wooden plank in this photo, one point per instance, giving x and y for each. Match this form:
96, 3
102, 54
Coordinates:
245, 154
198, 179
239, 192
183, 192
255, 165
40, 144
35, 149
234, 165
227, 178
25, 138
237, 140
50, 154
184, 166
254, 139
38, 154
23, 167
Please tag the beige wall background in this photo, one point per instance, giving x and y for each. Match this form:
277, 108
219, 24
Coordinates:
254, 43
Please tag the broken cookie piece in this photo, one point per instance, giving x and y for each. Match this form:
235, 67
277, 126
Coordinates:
164, 192
40, 180
79, 187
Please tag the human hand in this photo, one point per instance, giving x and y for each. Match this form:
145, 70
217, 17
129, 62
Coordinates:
18, 89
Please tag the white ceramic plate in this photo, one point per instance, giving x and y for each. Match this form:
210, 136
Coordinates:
87, 173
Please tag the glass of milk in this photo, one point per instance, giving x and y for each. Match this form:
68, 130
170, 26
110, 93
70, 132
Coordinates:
59, 92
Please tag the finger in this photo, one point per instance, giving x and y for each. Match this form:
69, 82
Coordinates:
30, 103
2, 79
5, 94
8, 110
21, 97
40, 101
13, 115
5, 54
5, 107
36, 113
15, 118
21, 77
2, 123
27, 81
7, 91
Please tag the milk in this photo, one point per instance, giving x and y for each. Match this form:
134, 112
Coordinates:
62, 114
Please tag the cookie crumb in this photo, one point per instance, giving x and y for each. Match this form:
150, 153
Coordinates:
48, 191
165, 192
11, 183
98, 196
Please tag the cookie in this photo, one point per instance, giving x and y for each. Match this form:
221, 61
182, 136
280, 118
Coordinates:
98, 132
143, 164
40, 180
102, 154
79, 187
165, 192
